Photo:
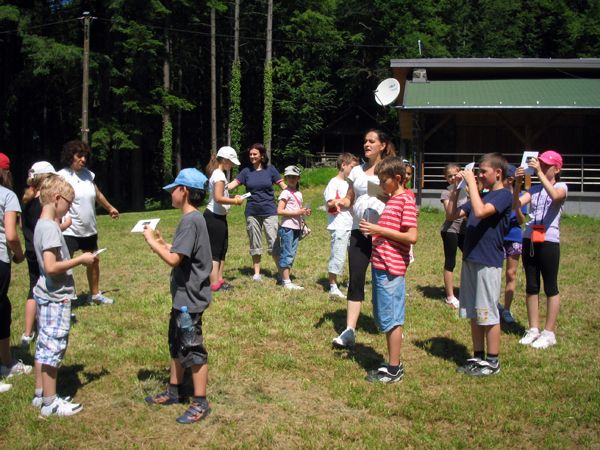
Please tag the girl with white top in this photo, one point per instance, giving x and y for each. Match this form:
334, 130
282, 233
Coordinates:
216, 211
541, 243
377, 146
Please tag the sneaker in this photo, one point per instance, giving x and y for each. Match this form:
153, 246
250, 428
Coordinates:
61, 407
383, 375
26, 340
163, 399
546, 339
293, 287
469, 365
100, 299
17, 368
4, 387
278, 280
507, 316
226, 286
335, 292
256, 277
194, 413
452, 301
38, 402
484, 369
530, 336
346, 339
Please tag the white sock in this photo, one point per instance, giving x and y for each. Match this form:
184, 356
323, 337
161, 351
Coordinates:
288, 281
333, 286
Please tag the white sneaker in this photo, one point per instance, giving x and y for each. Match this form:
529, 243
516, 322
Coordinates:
530, 336
293, 287
256, 277
4, 387
335, 292
17, 368
453, 301
38, 402
346, 339
26, 340
61, 407
546, 339
101, 299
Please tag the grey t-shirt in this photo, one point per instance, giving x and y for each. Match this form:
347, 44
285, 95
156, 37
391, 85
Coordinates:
8, 202
458, 225
55, 288
190, 285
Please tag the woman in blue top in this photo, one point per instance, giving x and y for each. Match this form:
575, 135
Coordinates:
261, 212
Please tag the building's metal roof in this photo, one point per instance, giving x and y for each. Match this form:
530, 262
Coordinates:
570, 93
497, 63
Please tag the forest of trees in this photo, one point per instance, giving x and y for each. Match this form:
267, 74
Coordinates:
150, 71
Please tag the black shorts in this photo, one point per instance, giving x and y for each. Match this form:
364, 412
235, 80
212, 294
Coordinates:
216, 224
190, 355
85, 244
5, 306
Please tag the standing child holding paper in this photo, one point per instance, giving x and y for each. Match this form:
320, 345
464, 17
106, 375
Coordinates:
190, 258
541, 244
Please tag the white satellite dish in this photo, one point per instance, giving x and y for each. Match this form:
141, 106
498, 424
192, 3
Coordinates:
387, 91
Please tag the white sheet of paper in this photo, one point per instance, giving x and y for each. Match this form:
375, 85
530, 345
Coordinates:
374, 190
526, 156
462, 183
139, 227
246, 195
100, 250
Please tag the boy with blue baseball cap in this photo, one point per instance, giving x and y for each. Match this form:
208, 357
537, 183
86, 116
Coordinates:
191, 260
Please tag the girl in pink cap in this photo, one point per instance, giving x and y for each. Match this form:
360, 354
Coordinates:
541, 243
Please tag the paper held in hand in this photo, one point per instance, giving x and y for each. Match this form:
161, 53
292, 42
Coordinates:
139, 227
462, 183
246, 195
527, 155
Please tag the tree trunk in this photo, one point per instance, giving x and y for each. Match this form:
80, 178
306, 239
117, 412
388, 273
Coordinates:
213, 82
268, 83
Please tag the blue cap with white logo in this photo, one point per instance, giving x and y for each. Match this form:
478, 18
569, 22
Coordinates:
190, 177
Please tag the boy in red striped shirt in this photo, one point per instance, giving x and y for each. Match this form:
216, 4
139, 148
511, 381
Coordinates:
392, 237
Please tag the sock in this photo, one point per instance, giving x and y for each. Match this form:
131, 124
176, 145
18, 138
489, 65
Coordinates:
479, 355
201, 400
492, 359
38, 392
47, 401
548, 333
288, 281
173, 390
333, 286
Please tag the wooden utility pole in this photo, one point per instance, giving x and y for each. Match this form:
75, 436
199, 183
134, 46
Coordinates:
268, 82
213, 82
87, 19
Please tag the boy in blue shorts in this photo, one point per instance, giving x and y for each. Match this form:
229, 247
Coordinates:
483, 256
53, 293
191, 259
392, 238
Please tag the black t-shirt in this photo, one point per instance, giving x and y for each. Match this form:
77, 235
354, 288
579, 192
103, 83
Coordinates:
29, 217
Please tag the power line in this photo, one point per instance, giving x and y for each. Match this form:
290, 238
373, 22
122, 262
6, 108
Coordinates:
44, 25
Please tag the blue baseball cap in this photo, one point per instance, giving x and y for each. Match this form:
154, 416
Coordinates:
190, 177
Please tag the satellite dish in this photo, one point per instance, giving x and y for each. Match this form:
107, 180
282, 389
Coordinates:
387, 91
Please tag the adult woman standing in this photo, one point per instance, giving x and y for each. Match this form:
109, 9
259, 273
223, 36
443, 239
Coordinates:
216, 211
82, 234
261, 213
377, 146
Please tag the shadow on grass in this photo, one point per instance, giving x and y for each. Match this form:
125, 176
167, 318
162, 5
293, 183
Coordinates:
513, 328
432, 292
445, 348
163, 376
365, 323
364, 355
68, 378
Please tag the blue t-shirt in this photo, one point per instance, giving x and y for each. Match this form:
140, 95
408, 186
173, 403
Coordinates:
515, 233
484, 238
260, 184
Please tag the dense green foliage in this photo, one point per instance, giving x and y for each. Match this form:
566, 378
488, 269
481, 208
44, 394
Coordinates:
328, 55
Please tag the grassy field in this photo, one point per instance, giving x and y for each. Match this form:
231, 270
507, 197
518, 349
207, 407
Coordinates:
275, 381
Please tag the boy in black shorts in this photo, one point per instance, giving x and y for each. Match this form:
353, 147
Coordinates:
191, 260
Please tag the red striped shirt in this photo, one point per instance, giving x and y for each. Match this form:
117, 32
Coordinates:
400, 214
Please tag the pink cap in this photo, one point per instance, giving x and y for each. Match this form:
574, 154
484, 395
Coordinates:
551, 158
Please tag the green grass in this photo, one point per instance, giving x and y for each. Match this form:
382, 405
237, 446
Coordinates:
276, 382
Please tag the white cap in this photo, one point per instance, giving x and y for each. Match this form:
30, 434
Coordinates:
291, 170
40, 168
228, 153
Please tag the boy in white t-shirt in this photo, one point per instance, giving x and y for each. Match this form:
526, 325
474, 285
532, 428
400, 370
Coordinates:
339, 220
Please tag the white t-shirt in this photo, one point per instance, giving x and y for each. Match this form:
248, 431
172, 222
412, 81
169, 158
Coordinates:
83, 208
362, 200
213, 205
8, 202
293, 203
337, 189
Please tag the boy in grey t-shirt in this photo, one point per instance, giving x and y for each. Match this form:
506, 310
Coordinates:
191, 259
53, 294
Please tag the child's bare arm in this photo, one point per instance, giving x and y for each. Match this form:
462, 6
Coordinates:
53, 266
161, 248
12, 237
408, 237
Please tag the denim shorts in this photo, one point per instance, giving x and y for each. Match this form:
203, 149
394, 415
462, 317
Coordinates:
54, 323
288, 246
339, 247
388, 299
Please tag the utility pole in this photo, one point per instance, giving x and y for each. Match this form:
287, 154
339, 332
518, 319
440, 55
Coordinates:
87, 19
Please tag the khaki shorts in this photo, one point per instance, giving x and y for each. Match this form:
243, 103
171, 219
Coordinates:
254, 227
